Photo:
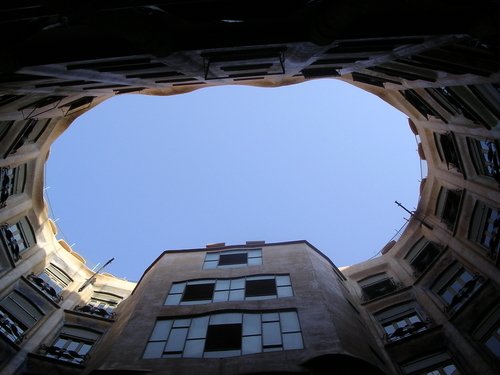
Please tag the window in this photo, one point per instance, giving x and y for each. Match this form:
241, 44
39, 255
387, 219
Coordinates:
485, 228
448, 151
72, 345
422, 254
17, 315
11, 182
488, 333
225, 334
233, 258
401, 321
51, 281
456, 285
436, 364
239, 289
17, 237
101, 304
484, 154
377, 285
448, 206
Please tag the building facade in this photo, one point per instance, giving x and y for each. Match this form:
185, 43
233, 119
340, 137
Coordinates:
428, 304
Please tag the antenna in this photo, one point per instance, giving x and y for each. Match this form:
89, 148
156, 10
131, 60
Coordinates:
412, 213
91, 278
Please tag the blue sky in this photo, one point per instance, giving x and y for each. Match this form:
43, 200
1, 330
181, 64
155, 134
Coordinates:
321, 161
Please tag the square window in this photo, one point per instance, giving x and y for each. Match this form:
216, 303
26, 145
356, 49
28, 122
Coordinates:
255, 288
223, 337
198, 292
231, 259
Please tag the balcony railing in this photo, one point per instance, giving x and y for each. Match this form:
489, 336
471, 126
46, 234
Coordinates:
62, 354
90, 309
380, 288
464, 293
10, 329
5, 186
408, 330
12, 244
45, 287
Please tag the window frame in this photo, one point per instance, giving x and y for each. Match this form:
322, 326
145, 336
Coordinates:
212, 258
261, 331
395, 315
488, 328
443, 209
480, 150
10, 306
230, 289
456, 286
429, 363
370, 282
483, 226
75, 338
419, 251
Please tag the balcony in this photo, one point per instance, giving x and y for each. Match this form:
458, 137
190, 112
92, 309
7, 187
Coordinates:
10, 329
408, 330
5, 186
379, 288
45, 287
11, 242
62, 354
97, 311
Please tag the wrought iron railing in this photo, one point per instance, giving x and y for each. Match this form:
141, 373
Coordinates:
408, 330
10, 328
12, 244
93, 310
45, 287
62, 354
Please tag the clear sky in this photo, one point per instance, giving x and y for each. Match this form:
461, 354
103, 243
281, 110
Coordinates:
321, 161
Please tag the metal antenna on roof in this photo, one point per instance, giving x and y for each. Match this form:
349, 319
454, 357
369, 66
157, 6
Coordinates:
91, 278
412, 213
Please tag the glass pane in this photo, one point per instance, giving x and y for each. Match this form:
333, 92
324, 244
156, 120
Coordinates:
84, 349
194, 348
251, 324
176, 340
221, 296
270, 317
212, 256
271, 334
182, 322
282, 280
73, 345
450, 370
161, 330
238, 283
251, 344
254, 253
154, 350
289, 321
198, 328
173, 299
210, 265
229, 318
285, 291
237, 295
292, 341
222, 285
177, 288
493, 343
254, 261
